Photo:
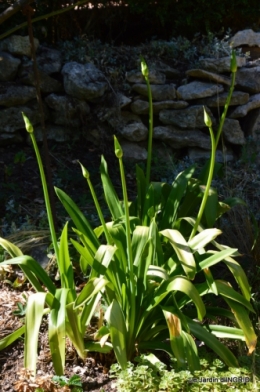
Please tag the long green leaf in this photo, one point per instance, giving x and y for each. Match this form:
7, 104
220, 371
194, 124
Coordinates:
211, 341
178, 189
228, 292
202, 239
65, 266
182, 251
57, 330
78, 218
211, 208
216, 258
33, 272
224, 332
179, 283
33, 319
12, 337
243, 320
74, 330
94, 286
111, 197
176, 340
11, 249
118, 332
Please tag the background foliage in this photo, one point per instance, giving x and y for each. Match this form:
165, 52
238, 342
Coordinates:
140, 20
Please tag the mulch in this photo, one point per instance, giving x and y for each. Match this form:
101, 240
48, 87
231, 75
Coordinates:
93, 371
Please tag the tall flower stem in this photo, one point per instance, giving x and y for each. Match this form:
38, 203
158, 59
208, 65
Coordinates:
145, 73
30, 130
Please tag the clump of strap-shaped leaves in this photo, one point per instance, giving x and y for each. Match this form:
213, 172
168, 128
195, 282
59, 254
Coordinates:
150, 267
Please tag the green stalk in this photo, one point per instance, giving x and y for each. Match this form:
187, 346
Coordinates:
233, 67
208, 122
85, 173
214, 142
131, 319
145, 73
30, 130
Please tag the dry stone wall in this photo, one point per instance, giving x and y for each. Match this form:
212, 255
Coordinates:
79, 98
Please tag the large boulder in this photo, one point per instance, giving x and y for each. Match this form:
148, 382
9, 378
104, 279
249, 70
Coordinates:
178, 138
155, 77
68, 110
248, 79
142, 107
55, 133
129, 126
8, 66
18, 45
238, 98
190, 118
196, 89
232, 132
208, 76
84, 81
245, 37
47, 83
220, 65
49, 60
196, 154
159, 92
133, 152
242, 110
14, 94
11, 118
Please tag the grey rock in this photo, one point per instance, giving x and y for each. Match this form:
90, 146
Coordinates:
168, 71
245, 37
122, 100
55, 133
252, 125
238, 98
18, 45
130, 126
232, 132
13, 94
83, 81
196, 154
177, 138
133, 151
10, 138
49, 60
196, 89
191, 118
11, 118
142, 107
242, 110
248, 79
209, 76
47, 83
8, 66
159, 92
221, 65
68, 111
155, 77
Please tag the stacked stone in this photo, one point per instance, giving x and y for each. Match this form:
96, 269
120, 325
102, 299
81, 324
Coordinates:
74, 92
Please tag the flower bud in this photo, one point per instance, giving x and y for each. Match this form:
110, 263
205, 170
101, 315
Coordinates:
207, 119
144, 68
118, 149
28, 124
84, 171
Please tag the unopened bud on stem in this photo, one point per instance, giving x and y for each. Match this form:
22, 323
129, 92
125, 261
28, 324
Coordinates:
207, 119
84, 171
144, 68
118, 148
28, 124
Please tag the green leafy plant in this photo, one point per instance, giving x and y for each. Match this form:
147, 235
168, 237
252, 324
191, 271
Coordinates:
74, 382
152, 266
